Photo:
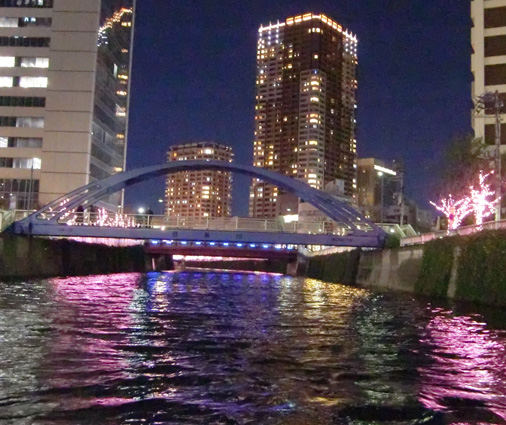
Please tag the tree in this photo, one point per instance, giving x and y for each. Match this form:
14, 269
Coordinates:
460, 164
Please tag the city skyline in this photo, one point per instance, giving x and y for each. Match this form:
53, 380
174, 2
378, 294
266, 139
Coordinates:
414, 80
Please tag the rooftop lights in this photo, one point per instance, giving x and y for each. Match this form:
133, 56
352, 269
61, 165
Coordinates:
109, 22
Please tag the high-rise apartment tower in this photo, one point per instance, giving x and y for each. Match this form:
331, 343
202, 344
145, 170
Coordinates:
305, 108
488, 63
64, 84
199, 194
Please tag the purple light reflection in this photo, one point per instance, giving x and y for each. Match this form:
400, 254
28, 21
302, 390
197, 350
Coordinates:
466, 362
93, 313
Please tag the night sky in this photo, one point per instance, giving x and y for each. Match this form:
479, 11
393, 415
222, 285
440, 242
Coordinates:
194, 79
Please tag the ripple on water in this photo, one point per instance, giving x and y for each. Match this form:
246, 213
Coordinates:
227, 348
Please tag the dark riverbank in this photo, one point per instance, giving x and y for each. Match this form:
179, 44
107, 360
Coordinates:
25, 257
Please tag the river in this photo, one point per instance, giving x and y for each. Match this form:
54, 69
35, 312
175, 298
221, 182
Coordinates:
238, 348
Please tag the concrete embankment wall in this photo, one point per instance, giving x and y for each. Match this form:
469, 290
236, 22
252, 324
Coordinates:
395, 269
468, 268
25, 257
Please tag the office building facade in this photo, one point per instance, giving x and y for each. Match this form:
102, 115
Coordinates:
199, 194
64, 90
488, 64
379, 189
305, 108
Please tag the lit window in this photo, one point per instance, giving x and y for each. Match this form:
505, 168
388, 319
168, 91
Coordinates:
30, 122
33, 82
35, 62
7, 61
9, 22
5, 81
120, 112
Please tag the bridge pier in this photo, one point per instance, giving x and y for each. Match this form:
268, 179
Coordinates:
160, 262
297, 266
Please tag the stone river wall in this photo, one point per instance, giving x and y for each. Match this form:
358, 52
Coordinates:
25, 257
468, 268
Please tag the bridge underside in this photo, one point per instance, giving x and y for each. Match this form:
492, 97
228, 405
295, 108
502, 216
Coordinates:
62, 230
230, 252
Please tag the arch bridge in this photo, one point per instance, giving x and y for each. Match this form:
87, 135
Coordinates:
55, 218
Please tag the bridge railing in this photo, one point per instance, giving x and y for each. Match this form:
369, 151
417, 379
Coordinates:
7, 217
165, 222
461, 231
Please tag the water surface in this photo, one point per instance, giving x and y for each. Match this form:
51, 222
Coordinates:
232, 348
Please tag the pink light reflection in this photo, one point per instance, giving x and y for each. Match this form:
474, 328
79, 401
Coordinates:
93, 315
467, 363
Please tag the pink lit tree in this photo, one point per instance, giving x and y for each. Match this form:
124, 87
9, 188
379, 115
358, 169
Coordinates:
482, 199
454, 211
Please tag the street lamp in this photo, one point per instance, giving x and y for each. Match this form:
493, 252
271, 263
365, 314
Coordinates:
141, 210
160, 201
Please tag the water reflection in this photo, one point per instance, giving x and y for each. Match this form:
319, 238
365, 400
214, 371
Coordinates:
240, 348
467, 364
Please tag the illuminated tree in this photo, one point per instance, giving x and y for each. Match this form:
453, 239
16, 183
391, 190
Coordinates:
482, 199
455, 211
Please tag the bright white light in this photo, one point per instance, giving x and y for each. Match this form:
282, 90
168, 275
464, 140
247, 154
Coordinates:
381, 169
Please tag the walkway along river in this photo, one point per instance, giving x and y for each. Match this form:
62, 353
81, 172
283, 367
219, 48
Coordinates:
236, 348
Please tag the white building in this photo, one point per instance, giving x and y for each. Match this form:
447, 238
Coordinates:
64, 84
488, 62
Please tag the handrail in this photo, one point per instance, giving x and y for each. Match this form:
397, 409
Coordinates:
461, 231
319, 226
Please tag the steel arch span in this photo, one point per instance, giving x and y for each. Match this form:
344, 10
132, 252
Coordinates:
87, 195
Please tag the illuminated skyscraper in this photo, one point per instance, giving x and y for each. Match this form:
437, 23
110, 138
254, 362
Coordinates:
199, 194
64, 84
305, 108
